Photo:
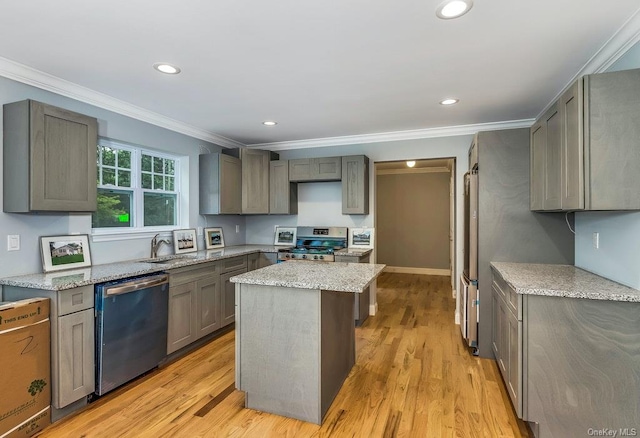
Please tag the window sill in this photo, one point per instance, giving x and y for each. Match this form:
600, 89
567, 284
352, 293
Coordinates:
115, 235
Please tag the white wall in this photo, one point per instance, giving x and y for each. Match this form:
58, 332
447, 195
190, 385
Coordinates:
617, 258
115, 126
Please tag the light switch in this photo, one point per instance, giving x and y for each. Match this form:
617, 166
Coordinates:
13, 242
596, 240
199, 231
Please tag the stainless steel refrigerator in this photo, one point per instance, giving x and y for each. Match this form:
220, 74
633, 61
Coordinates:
469, 314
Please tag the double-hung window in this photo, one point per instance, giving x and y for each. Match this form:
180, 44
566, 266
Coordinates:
138, 190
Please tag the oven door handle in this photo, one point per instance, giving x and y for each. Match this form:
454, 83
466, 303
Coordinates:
141, 283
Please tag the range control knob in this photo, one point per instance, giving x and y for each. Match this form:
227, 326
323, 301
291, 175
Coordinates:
287, 255
321, 257
304, 256
315, 257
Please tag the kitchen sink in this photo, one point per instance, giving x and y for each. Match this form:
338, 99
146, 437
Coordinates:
167, 260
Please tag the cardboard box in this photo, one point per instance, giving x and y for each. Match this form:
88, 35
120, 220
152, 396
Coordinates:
32, 426
25, 376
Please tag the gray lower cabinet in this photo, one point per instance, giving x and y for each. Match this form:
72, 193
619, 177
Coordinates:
194, 304
283, 194
507, 340
72, 344
50, 159
260, 260
315, 169
231, 267
220, 180
584, 153
355, 184
361, 300
255, 181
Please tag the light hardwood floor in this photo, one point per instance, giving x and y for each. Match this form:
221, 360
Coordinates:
413, 378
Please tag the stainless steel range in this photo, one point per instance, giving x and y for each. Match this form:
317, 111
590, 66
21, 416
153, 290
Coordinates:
316, 244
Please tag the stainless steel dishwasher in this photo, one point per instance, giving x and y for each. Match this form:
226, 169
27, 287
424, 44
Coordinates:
131, 328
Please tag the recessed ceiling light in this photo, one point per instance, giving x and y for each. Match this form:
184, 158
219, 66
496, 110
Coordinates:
449, 101
411, 163
453, 8
269, 123
169, 69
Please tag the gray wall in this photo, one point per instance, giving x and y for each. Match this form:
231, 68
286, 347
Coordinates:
618, 257
118, 127
412, 219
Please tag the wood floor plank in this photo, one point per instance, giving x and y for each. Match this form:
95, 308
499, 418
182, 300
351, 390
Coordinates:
414, 377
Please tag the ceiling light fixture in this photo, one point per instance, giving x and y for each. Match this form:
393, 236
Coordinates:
449, 101
411, 163
453, 8
169, 69
269, 123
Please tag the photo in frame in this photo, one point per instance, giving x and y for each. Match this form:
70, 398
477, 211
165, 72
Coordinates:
65, 252
286, 236
213, 238
184, 241
361, 238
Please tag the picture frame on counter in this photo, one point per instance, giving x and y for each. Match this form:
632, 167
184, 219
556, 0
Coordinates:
213, 238
65, 252
185, 241
361, 238
286, 236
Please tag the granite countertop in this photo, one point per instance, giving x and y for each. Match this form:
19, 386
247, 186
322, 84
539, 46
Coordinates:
61, 280
563, 281
336, 276
357, 252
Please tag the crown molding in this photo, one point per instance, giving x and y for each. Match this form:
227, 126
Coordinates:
36, 78
448, 131
616, 46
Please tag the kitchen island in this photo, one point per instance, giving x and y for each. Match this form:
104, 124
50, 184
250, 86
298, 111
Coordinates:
295, 337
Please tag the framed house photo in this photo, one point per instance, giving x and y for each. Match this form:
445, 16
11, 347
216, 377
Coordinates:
361, 238
184, 241
286, 236
213, 238
65, 252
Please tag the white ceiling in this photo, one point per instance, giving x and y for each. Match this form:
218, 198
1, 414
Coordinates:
321, 69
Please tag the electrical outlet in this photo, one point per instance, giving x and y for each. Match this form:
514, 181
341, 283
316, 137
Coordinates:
13, 242
237, 228
596, 240
199, 231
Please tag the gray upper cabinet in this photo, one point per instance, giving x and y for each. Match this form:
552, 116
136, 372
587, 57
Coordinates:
220, 184
283, 195
590, 146
355, 184
49, 159
255, 181
315, 169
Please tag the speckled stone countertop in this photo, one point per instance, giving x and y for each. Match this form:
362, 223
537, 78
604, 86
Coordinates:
61, 280
563, 281
336, 276
353, 252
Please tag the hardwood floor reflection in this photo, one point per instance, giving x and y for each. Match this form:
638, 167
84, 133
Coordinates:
413, 378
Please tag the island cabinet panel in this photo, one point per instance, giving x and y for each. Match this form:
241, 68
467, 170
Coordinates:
50, 159
315, 169
220, 180
194, 304
283, 195
583, 364
293, 364
255, 181
361, 300
355, 184
588, 146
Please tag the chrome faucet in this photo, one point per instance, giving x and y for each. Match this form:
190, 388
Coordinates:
156, 244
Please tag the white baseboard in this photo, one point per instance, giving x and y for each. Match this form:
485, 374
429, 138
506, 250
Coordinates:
457, 318
424, 271
373, 309
454, 293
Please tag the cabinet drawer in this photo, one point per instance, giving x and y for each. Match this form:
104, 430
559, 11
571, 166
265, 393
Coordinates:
74, 300
192, 273
233, 264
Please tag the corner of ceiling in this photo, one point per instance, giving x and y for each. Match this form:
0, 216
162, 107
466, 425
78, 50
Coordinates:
30, 76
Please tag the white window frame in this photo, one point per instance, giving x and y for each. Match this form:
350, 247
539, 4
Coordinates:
138, 230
